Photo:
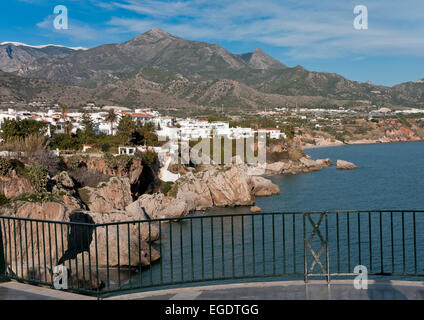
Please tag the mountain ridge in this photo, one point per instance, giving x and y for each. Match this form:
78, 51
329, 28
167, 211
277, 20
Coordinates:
205, 74
17, 44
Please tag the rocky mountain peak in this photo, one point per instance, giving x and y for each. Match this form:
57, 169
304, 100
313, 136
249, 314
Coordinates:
151, 37
154, 35
158, 33
258, 59
258, 51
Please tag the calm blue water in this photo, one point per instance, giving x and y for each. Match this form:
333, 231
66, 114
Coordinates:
390, 176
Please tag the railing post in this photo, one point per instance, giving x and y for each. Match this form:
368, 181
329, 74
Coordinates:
326, 249
3, 276
305, 258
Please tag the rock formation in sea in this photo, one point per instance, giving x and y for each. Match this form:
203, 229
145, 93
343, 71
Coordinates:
304, 164
222, 187
345, 165
255, 209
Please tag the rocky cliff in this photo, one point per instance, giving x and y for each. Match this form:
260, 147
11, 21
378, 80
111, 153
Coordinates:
120, 195
222, 187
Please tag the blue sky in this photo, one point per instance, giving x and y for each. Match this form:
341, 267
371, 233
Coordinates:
318, 35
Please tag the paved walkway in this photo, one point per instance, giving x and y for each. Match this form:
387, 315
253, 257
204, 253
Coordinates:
293, 290
290, 290
13, 290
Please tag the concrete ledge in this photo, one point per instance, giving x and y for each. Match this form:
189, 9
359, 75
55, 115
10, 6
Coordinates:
278, 290
38, 293
290, 290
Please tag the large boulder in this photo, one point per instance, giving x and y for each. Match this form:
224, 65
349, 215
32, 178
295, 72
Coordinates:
159, 206
262, 187
55, 211
345, 165
255, 209
222, 187
277, 167
121, 216
46, 245
309, 164
109, 245
13, 186
109, 196
82, 274
324, 162
120, 245
42, 243
193, 200
141, 178
194, 189
304, 164
230, 188
63, 180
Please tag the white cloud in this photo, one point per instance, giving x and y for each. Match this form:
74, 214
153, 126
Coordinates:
309, 29
78, 31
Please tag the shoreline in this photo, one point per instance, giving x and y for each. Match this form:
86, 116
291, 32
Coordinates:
222, 210
356, 143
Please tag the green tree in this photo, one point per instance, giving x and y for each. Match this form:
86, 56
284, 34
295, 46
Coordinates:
146, 134
126, 130
88, 131
65, 142
87, 122
22, 128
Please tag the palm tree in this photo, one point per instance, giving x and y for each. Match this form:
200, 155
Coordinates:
64, 113
68, 128
111, 118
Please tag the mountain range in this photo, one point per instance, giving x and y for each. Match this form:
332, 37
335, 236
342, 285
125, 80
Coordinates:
161, 70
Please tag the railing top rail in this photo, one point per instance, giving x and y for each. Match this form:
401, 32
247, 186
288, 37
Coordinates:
206, 217
47, 221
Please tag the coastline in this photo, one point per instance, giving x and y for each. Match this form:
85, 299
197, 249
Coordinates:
355, 143
243, 209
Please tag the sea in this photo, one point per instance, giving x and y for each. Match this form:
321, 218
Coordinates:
250, 246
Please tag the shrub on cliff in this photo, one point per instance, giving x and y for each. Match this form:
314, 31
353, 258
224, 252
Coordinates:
295, 155
121, 162
166, 186
148, 158
278, 156
5, 166
73, 162
3, 199
38, 176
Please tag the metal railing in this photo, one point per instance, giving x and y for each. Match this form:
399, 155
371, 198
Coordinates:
135, 255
